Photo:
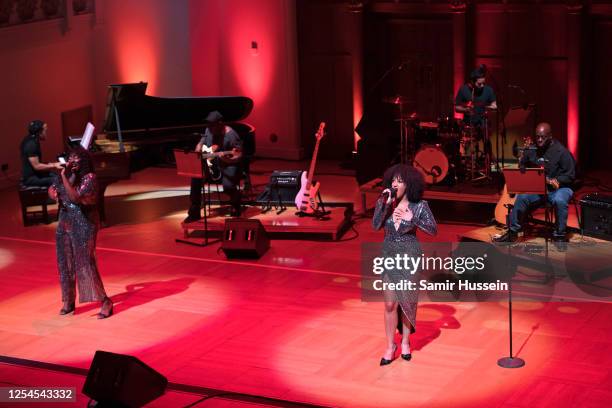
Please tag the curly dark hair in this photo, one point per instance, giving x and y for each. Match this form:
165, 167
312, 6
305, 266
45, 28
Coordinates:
35, 127
86, 165
415, 183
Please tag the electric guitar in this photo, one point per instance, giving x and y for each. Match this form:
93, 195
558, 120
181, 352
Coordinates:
213, 165
305, 200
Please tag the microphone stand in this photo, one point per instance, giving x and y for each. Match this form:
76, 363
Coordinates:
382, 78
510, 361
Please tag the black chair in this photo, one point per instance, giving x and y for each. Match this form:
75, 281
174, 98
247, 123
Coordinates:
550, 214
31, 196
247, 134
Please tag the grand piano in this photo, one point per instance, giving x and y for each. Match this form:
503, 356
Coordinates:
142, 130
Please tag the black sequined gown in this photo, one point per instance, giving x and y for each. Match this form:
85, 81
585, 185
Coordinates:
76, 242
403, 240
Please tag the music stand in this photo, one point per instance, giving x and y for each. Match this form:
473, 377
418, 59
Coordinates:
525, 181
189, 164
520, 181
530, 181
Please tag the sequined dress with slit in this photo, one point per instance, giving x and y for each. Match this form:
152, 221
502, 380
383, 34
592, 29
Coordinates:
75, 238
403, 240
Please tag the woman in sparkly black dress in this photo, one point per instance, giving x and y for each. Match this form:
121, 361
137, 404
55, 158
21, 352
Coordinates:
401, 211
76, 191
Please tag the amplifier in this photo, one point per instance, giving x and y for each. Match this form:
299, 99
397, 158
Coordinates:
283, 183
596, 215
285, 178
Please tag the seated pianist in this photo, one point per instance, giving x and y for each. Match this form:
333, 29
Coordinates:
560, 171
219, 137
34, 172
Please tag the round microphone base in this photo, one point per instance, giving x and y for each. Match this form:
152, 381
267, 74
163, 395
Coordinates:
511, 362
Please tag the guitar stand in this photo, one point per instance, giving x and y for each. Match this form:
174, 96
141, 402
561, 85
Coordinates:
320, 213
279, 206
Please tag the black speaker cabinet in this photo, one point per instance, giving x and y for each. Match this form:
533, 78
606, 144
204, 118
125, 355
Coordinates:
283, 184
244, 238
118, 380
596, 215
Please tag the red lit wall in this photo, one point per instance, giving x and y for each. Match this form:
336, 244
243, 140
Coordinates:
224, 61
142, 40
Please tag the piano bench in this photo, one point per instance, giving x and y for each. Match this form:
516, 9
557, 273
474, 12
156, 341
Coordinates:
31, 196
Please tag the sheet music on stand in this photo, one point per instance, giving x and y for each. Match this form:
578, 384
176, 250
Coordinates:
525, 181
188, 164
84, 140
87, 136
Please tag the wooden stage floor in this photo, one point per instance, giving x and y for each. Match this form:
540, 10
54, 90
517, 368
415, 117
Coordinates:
290, 325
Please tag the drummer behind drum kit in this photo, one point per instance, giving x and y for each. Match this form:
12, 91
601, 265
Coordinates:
446, 150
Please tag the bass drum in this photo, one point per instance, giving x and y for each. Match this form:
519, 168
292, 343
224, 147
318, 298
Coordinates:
432, 163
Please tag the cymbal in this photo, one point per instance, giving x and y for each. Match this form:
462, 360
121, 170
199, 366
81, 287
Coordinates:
397, 100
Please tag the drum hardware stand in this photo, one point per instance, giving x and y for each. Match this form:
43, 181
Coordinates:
484, 173
406, 137
405, 151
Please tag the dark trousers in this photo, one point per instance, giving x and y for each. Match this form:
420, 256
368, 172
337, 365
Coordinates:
230, 180
38, 181
526, 202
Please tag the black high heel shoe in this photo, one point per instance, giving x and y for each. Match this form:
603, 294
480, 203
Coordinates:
408, 356
384, 361
67, 310
107, 309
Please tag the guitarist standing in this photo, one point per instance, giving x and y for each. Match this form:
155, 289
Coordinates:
560, 171
218, 137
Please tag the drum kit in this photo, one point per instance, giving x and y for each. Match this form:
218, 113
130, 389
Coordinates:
445, 150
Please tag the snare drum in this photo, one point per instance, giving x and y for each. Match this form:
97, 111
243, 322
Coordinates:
432, 163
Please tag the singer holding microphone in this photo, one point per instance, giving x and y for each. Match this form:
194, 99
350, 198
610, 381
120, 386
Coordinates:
560, 171
401, 211
76, 191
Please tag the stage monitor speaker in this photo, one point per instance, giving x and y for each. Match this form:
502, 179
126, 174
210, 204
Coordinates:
118, 380
283, 183
244, 238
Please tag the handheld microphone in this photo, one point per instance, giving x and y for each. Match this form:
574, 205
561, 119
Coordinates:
387, 192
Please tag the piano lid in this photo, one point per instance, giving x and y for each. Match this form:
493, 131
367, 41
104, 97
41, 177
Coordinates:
138, 111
